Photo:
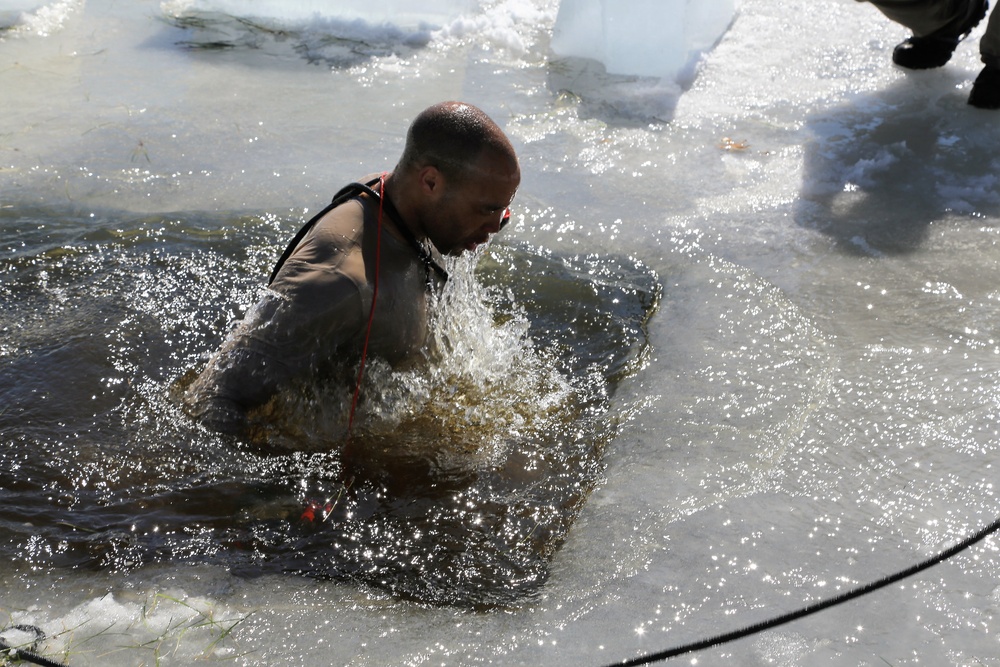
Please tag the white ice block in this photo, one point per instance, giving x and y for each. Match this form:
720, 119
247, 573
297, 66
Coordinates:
657, 38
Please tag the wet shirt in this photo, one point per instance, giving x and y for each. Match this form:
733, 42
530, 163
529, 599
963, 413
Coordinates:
311, 323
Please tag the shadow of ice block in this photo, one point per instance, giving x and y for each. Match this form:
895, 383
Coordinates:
649, 38
617, 99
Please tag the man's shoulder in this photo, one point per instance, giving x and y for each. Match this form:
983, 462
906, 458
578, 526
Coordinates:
334, 237
343, 225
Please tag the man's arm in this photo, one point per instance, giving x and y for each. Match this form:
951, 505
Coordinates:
282, 340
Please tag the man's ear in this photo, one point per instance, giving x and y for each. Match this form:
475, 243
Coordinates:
431, 181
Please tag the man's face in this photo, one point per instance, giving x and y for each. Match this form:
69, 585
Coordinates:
470, 211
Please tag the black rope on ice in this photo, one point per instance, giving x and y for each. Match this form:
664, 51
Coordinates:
813, 608
14, 653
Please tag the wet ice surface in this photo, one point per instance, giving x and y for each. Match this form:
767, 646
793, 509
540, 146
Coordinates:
816, 408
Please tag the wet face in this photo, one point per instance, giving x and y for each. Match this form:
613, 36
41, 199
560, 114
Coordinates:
467, 213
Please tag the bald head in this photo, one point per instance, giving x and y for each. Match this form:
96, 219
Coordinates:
457, 176
452, 136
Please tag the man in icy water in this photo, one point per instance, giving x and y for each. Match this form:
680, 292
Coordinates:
355, 284
938, 26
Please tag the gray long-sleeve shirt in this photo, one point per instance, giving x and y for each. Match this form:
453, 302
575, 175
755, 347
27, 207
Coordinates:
311, 323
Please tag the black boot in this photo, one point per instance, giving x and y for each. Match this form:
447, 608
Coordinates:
986, 90
935, 49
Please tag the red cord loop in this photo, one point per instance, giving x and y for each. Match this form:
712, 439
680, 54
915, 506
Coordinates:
371, 313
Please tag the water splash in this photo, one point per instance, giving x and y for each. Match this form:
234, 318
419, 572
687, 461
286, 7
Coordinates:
465, 474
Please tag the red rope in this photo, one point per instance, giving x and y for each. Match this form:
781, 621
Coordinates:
371, 313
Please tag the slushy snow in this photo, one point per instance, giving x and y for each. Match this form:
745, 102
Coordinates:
401, 13
33, 17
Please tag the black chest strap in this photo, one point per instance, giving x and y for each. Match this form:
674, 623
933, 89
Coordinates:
346, 193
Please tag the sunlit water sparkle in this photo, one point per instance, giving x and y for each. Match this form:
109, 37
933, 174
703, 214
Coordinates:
811, 405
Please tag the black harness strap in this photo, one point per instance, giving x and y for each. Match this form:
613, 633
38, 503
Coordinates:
346, 193
422, 252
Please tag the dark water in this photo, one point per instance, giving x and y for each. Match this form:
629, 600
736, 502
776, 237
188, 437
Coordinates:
463, 477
